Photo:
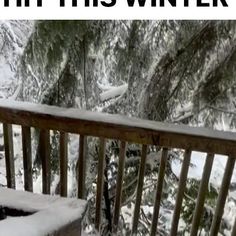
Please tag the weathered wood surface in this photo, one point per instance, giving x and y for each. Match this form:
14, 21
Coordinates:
81, 167
220, 204
139, 189
180, 193
100, 182
157, 204
27, 158
44, 152
119, 183
117, 127
63, 163
199, 207
9, 155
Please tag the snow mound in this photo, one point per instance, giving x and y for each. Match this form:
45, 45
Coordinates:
52, 212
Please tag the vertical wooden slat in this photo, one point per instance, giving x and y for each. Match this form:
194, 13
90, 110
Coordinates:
27, 158
63, 163
222, 196
180, 193
201, 194
81, 167
100, 182
44, 152
160, 180
119, 182
139, 189
9, 155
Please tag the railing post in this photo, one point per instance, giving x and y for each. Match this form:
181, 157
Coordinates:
27, 158
161, 174
119, 182
9, 155
44, 152
201, 194
180, 193
100, 183
81, 167
222, 196
139, 190
63, 163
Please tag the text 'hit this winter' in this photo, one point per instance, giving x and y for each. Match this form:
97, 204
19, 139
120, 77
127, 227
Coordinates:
130, 3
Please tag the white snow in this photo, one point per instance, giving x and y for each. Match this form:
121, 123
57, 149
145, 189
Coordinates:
73, 113
196, 170
113, 92
52, 212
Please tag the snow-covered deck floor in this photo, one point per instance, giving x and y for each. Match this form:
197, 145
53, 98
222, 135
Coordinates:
51, 213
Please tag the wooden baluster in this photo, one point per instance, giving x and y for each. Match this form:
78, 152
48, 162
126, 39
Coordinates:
222, 196
27, 158
100, 182
139, 189
119, 182
9, 155
180, 193
81, 167
63, 163
44, 152
160, 180
199, 207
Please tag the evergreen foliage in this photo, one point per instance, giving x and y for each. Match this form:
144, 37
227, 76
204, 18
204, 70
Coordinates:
176, 71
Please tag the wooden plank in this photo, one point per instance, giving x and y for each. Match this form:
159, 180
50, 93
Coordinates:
119, 182
117, 127
44, 152
180, 193
199, 207
81, 167
9, 155
220, 204
161, 174
27, 158
63, 163
139, 189
100, 182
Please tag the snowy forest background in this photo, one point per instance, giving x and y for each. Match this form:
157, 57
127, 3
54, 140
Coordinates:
172, 71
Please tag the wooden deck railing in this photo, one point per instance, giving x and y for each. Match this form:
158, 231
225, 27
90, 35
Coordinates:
125, 129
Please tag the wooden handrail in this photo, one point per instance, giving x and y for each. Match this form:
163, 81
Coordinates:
124, 129
117, 127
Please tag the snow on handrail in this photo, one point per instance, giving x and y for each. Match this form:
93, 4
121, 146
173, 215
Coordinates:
116, 127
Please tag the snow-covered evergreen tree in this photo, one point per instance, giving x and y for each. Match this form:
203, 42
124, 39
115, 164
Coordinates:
175, 71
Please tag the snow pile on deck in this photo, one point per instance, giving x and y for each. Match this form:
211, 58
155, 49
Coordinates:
52, 212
